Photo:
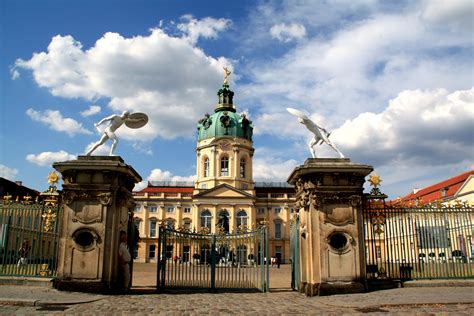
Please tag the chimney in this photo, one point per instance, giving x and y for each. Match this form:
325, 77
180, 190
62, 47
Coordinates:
19, 183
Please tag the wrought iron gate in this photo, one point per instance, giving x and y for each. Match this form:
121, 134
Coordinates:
213, 261
295, 253
422, 241
29, 234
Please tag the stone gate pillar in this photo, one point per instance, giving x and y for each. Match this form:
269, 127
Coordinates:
329, 201
96, 199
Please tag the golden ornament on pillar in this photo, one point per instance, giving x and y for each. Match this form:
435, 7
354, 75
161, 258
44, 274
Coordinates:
375, 180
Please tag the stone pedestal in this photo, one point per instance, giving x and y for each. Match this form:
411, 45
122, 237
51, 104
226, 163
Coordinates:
329, 201
96, 200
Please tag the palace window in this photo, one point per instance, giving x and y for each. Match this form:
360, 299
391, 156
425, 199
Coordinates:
241, 218
170, 223
224, 220
151, 251
277, 210
152, 228
278, 230
138, 209
206, 167
224, 166
153, 208
187, 210
206, 219
261, 210
138, 223
242, 168
170, 209
187, 224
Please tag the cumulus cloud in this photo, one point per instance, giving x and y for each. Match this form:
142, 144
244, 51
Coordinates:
167, 77
55, 121
455, 14
288, 32
93, 109
207, 27
102, 150
48, 157
418, 127
268, 167
8, 173
162, 175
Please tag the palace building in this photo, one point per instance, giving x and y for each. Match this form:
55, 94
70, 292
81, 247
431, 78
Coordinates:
224, 198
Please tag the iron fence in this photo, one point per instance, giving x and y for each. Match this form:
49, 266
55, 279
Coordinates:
419, 242
29, 235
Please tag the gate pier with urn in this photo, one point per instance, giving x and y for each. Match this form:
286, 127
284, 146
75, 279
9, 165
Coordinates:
330, 226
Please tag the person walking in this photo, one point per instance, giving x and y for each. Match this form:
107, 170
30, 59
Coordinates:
124, 258
23, 251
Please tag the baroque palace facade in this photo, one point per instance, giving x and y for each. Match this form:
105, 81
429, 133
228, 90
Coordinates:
224, 197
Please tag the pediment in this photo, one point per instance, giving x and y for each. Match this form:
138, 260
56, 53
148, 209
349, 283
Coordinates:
224, 191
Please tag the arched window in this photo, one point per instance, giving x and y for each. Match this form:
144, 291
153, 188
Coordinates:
206, 167
225, 166
242, 168
223, 220
241, 218
206, 219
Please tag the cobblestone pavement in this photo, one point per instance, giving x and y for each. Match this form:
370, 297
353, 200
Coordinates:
280, 301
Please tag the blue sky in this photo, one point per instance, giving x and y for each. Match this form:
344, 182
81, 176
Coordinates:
393, 81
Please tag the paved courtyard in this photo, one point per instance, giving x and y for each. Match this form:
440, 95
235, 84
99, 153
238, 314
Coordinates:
280, 301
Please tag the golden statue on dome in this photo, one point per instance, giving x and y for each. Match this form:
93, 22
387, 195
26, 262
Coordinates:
227, 73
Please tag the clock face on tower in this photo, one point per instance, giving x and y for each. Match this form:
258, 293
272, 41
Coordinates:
224, 145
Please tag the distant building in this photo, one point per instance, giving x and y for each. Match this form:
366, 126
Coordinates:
460, 187
16, 190
224, 196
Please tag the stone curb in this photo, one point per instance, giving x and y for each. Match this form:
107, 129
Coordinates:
29, 302
381, 305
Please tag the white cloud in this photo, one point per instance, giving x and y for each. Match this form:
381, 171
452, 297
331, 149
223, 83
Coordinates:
14, 73
167, 77
429, 127
458, 15
47, 158
354, 66
93, 109
142, 148
288, 32
55, 121
272, 169
207, 27
8, 173
102, 150
162, 175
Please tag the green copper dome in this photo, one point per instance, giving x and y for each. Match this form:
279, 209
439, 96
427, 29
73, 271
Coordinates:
225, 121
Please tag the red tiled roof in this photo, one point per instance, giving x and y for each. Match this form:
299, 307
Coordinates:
433, 192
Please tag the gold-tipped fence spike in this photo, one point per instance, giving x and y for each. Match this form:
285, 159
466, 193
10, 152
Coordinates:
7, 199
27, 199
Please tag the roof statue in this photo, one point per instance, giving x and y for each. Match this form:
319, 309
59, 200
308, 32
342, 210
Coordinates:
134, 120
227, 73
320, 134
